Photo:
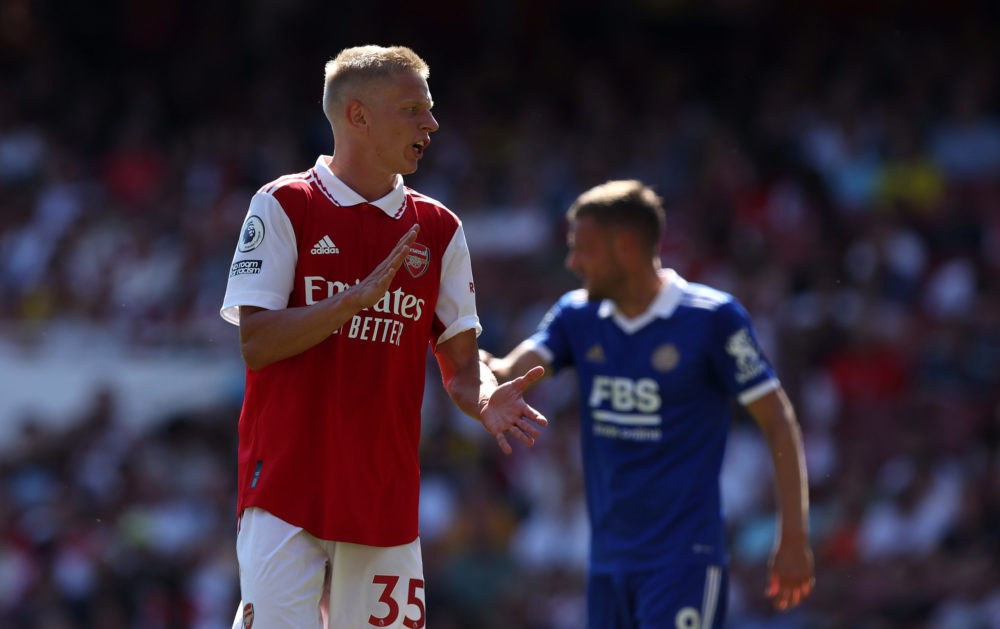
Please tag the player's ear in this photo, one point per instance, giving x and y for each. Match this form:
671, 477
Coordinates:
356, 113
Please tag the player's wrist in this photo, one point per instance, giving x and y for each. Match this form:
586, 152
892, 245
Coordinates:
351, 300
794, 535
481, 407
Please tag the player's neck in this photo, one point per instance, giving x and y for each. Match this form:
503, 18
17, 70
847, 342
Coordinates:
639, 294
370, 184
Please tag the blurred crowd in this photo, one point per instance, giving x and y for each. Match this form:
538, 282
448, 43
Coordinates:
837, 169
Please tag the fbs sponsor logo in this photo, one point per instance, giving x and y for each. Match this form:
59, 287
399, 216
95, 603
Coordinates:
325, 246
245, 267
626, 395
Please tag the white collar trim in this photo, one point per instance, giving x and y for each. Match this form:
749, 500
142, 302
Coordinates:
341, 194
663, 306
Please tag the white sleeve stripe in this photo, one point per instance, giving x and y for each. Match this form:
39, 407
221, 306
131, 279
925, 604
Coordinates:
270, 188
710, 596
758, 391
540, 349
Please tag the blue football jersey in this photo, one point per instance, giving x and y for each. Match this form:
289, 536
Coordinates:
655, 396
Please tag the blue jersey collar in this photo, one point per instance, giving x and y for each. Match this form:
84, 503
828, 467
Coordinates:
663, 306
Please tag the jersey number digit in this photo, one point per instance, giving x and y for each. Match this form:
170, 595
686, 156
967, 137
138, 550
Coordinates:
388, 583
687, 618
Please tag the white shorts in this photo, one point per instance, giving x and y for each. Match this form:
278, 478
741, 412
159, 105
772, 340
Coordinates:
292, 580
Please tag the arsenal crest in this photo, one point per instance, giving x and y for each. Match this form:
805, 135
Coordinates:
417, 260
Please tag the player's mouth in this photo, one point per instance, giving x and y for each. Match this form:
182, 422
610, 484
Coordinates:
420, 147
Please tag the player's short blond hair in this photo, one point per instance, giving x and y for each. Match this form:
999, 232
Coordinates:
624, 203
354, 67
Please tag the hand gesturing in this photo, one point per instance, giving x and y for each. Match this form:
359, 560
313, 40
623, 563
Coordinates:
373, 287
507, 412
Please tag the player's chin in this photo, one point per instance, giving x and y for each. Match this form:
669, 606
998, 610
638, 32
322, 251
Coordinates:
595, 294
412, 160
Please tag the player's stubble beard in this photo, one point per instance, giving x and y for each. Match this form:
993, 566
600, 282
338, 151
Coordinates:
606, 287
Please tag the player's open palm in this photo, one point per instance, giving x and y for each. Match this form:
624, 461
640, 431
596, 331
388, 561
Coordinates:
373, 287
506, 412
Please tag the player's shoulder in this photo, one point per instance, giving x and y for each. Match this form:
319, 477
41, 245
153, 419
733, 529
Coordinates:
711, 304
577, 301
293, 183
572, 308
704, 297
426, 205
294, 194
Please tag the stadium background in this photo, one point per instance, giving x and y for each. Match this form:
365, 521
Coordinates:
836, 166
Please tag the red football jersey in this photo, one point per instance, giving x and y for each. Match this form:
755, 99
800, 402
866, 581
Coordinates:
328, 439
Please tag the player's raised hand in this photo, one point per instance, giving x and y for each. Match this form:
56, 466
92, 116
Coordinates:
371, 289
506, 412
790, 574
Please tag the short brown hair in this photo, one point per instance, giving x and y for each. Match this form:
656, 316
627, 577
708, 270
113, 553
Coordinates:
625, 203
353, 66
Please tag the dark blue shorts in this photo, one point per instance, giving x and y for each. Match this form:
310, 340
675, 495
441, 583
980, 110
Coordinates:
663, 598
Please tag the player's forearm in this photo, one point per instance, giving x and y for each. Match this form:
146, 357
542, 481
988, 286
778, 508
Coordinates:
470, 387
518, 362
791, 479
776, 417
267, 336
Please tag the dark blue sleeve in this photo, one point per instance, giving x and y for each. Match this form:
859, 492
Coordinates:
552, 336
736, 354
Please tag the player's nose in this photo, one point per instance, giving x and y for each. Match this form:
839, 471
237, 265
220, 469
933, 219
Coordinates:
429, 123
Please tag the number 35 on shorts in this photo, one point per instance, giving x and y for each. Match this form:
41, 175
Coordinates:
393, 602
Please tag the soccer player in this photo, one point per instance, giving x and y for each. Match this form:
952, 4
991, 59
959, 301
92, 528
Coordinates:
341, 279
658, 361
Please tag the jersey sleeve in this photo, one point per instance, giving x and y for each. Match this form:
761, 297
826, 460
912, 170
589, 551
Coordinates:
263, 268
552, 339
737, 356
456, 304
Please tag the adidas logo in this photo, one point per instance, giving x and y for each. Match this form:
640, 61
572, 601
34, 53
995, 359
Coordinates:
325, 245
